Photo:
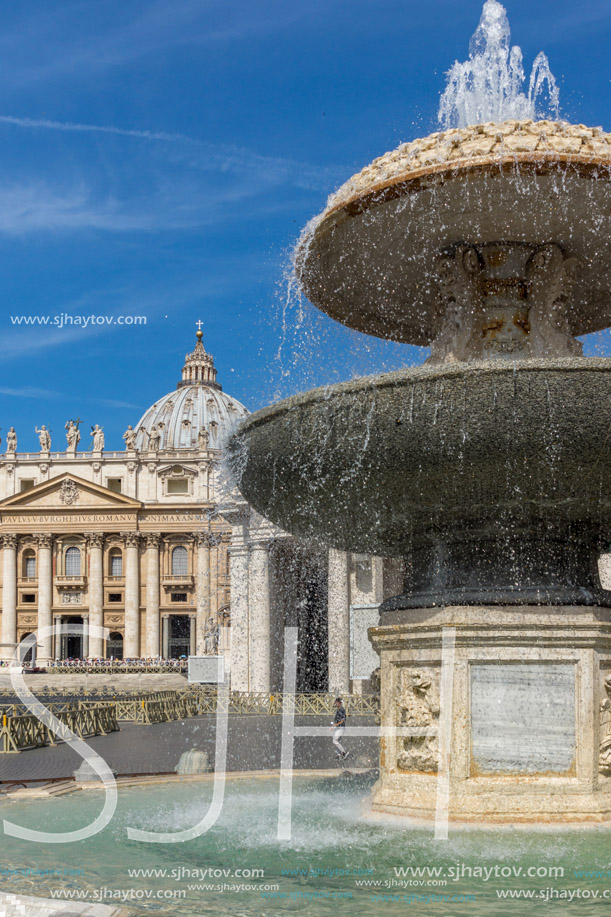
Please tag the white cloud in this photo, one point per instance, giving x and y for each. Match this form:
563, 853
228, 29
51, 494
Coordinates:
204, 154
29, 392
77, 40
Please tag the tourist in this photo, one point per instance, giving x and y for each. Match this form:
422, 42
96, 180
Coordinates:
338, 726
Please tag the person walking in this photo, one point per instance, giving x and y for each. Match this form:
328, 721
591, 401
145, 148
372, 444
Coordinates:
338, 726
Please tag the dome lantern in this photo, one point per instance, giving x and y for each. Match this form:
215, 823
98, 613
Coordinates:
197, 415
199, 366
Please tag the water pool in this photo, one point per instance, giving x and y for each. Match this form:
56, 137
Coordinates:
337, 851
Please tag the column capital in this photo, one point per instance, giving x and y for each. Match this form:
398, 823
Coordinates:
132, 539
10, 540
211, 539
239, 550
152, 539
262, 544
94, 539
43, 539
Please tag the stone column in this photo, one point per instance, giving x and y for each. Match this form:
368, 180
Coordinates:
202, 588
239, 618
338, 622
152, 593
132, 595
192, 634
259, 608
9, 596
44, 569
86, 620
165, 647
95, 545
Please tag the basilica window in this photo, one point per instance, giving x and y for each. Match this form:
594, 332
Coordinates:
116, 562
178, 597
179, 561
26, 484
115, 484
178, 486
29, 564
73, 562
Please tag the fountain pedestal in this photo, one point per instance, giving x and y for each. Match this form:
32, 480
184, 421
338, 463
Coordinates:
524, 706
487, 469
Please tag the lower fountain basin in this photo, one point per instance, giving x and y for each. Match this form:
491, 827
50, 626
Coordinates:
493, 478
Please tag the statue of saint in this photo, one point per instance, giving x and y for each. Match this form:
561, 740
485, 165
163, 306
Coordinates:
98, 438
11, 440
211, 638
130, 439
44, 438
73, 436
203, 438
154, 440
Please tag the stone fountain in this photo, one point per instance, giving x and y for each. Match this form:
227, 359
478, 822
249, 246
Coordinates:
487, 468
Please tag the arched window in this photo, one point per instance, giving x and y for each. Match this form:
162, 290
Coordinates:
29, 564
73, 562
179, 561
116, 562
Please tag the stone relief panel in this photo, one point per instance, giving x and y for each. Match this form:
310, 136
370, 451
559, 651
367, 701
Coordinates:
418, 708
604, 760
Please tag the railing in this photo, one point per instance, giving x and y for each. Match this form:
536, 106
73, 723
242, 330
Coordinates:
204, 699
177, 579
199, 701
110, 669
27, 731
77, 580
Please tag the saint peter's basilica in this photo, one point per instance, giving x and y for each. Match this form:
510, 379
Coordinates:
147, 543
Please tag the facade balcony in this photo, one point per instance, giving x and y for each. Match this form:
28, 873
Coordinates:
70, 582
177, 579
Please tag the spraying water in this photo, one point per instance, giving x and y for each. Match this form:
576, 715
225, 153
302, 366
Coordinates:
489, 85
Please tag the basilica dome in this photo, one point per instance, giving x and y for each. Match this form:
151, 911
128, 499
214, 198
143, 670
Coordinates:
197, 415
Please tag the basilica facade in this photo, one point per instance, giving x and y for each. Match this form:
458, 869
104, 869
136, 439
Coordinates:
148, 544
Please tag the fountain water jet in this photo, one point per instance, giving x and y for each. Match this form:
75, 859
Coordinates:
486, 468
488, 86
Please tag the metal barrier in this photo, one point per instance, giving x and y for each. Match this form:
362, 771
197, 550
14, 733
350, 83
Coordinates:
87, 717
27, 731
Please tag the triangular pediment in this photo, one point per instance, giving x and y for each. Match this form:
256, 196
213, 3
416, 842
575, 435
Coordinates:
67, 491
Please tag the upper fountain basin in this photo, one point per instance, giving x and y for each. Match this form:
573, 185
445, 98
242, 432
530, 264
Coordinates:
376, 464
369, 260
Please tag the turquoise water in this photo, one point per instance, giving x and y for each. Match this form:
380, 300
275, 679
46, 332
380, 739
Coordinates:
336, 844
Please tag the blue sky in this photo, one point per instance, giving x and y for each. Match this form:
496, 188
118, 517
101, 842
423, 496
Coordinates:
159, 159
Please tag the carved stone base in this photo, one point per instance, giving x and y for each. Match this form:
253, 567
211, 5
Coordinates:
524, 698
